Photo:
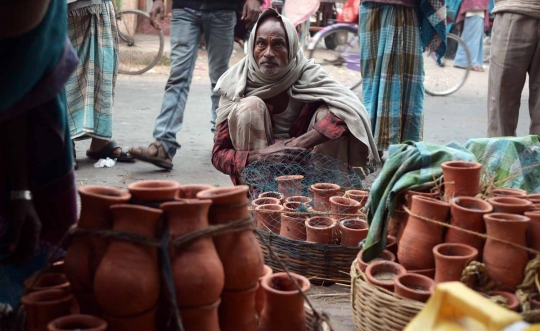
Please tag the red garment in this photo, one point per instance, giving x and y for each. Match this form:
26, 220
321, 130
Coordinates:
232, 162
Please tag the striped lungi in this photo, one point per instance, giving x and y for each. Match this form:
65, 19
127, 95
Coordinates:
90, 90
392, 71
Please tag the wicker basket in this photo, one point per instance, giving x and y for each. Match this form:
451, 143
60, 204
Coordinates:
376, 309
319, 263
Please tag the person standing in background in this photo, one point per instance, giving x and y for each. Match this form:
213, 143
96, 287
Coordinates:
515, 51
90, 90
473, 15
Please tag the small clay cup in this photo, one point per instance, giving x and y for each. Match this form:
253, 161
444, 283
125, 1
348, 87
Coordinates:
321, 229
508, 192
260, 296
300, 198
290, 185
78, 322
293, 227
451, 259
265, 201
510, 205
341, 205
322, 192
268, 217
190, 191
384, 256
512, 302
382, 274
358, 195
275, 195
353, 231
413, 286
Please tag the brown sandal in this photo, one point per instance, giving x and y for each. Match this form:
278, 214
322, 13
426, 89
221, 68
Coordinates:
159, 161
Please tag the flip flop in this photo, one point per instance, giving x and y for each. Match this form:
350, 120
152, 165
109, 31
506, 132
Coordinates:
108, 152
155, 160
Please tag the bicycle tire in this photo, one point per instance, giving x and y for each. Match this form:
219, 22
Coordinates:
155, 58
321, 40
456, 87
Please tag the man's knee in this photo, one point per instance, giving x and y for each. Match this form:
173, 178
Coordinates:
249, 108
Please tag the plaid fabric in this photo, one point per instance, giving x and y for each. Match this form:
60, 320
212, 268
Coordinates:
433, 26
393, 71
90, 91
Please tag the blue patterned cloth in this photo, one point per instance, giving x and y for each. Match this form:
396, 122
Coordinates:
433, 26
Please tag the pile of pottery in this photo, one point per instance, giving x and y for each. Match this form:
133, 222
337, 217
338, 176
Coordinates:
116, 282
329, 216
429, 253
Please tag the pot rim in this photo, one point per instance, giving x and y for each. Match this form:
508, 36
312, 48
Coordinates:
488, 207
304, 283
124, 206
184, 202
267, 270
280, 195
360, 193
289, 178
472, 251
339, 201
221, 192
532, 213
307, 199
270, 207
317, 218
150, 185
99, 323
399, 270
391, 255
398, 281
507, 201
431, 200
461, 165
97, 191
394, 240
62, 296
329, 187
518, 192
506, 217
52, 275
257, 201
355, 220
533, 196
287, 204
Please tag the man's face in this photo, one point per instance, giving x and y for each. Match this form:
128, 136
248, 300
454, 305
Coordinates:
271, 51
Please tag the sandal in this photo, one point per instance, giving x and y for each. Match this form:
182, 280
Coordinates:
108, 152
75, 162
160, 160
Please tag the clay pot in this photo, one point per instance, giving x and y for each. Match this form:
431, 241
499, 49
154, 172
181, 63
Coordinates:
384, 256
398, 221
299, 198
451, 259
320, 229
265, 201
293, 227
391, 244
533, 231
203, 318
468, 213
509, 192
429, 273
353, 231
535, 301
534, 198
144, 321
276, 195
340, 205
153, 192
413, 286
268, 217
322, 192
237, 310
505, 264
260, 297
47, 282
512, 301
294, 207
239, 252
127, 282
284, 305
190, 191
78, 322
420, 236
196, 267
461, 179
290, 185
382, 274
358, 195
510, 205
45, 306
85, 253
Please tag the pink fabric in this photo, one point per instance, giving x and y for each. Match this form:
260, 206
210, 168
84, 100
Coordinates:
299, 11
472, 5
266, 4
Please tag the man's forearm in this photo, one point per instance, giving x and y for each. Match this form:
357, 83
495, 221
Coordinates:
309, 140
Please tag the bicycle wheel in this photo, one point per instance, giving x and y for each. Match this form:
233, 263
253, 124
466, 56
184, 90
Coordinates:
342, 62
140, 44
446, 79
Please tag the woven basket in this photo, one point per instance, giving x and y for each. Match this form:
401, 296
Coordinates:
317, 262
376, 309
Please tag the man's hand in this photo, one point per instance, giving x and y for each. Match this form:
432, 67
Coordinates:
251, 12
158, 11
278, 152
24, 231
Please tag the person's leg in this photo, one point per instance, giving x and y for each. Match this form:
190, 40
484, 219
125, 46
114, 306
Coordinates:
185, 32
512, 50
472, 35
218, 28
250, 125
534, 86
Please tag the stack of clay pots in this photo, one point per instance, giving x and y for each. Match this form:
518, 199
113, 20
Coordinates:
429, 253
334, 220
117, 282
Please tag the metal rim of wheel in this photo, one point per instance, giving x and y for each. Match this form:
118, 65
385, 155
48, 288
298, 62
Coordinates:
321, 44
442, 73
138, 53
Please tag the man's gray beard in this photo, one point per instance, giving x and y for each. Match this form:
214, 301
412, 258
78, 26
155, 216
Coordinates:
271, 72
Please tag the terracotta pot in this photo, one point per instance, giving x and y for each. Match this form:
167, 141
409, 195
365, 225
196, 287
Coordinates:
508, 192
284, 305
461, 179
144, 321
468, 213
534, 198
260, 297
239, 252
45, 306
535, 301
358, 195
321, 229
120, 291
322, 192
413, 286
353, 231
429, 273
153, 192
203, 318
510, 205
300, 198
293, 227
47, 282
85, 253
196, 267
382, 274
290, 185
512, 301
265, 201
533, 231
420, 236
391, 244
384, 256
505, 264
190, 191
398, 221
295, 207
451, 259
237, 310
268, 217
78, 322
340, 205
276, 195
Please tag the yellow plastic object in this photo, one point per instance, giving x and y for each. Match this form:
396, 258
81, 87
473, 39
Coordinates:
455, 307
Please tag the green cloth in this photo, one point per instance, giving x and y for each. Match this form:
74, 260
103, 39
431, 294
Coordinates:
411, 165
517, 158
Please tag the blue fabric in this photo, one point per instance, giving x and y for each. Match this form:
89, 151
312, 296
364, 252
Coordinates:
433, 26
473, 36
